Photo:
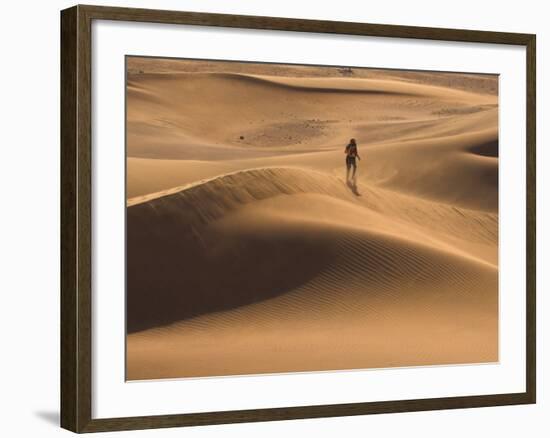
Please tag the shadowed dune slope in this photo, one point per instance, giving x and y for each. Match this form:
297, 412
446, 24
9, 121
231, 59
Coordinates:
352, 288
241, 268
181, 260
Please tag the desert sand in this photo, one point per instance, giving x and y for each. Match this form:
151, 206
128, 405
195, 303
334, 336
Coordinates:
248, 253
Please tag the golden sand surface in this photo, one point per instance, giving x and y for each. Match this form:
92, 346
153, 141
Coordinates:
247, 250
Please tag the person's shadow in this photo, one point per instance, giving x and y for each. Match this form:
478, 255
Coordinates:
352, 184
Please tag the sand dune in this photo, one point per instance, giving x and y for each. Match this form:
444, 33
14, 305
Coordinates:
478, 83
248, 253
369, 284
352, 257
259, 112
449, 169
457, 170
357, 271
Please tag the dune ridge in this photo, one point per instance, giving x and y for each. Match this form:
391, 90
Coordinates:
330, 85
205, 201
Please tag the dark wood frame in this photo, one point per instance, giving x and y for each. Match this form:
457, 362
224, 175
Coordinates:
76, 325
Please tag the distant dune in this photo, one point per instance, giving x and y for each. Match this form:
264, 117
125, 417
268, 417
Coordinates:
248, 253
280, 113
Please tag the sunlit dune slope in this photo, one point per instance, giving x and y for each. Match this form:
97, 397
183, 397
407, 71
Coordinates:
437, 143
196, 116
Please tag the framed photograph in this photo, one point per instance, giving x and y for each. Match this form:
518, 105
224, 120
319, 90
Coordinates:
270, 218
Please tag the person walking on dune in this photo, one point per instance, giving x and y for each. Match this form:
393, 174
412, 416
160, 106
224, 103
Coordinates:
351, 155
